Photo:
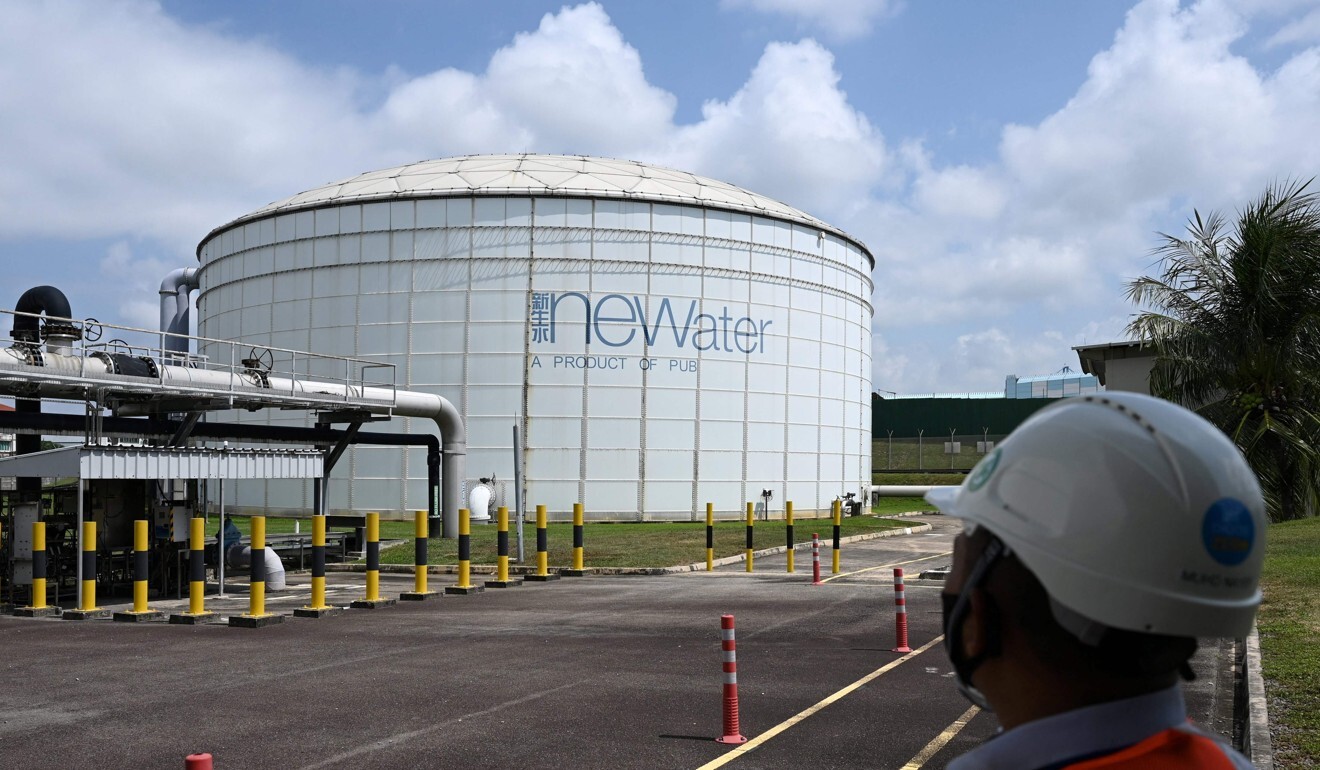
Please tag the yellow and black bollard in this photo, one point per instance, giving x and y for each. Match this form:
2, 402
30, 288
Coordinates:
197, 612
542, 548
577, 570
838, 521
317, 608
788, 527
420, 534
257, 616
502, 579
710, 537
87, 609
38, 608
373, 598
464, 586
141, 572
751, 520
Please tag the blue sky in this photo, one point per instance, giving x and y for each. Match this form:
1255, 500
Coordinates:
1008, 163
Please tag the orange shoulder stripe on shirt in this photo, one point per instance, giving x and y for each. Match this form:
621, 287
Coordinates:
1170, 749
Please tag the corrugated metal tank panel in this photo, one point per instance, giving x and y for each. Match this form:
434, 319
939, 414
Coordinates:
665, 355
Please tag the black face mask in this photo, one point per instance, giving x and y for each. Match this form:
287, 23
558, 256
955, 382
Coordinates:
955, 608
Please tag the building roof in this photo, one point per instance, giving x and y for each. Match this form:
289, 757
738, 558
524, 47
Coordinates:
1093, 357
533, 174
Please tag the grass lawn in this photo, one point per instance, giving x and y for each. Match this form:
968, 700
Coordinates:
916, 479
1289, 623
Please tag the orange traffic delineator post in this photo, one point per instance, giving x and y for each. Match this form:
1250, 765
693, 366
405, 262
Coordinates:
900, 613
729, 645
141, 612
197, 762
815, 559
421, 535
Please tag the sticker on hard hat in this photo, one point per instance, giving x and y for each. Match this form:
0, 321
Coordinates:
983, 471
1228, 531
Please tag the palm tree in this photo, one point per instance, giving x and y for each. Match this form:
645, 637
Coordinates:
1234, 321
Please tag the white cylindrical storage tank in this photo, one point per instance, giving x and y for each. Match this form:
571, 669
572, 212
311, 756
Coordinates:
669, 339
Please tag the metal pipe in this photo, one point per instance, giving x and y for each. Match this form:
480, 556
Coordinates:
175, 290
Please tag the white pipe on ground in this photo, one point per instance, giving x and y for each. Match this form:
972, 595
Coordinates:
241, 556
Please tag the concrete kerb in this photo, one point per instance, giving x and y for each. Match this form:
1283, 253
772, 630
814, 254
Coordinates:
1259, 747
489, 569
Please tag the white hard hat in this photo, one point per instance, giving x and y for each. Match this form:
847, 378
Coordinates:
1133, 513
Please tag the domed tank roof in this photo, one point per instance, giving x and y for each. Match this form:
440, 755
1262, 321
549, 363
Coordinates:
541, 175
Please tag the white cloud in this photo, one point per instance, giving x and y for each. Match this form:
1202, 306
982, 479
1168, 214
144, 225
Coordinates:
840, 19
789, 132
137, 279
1170, 117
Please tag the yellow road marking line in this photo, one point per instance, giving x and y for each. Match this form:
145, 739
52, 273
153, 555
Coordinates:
724, 759
885, 566
934, 746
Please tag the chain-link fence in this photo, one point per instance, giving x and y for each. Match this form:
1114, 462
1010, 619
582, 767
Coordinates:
933, 451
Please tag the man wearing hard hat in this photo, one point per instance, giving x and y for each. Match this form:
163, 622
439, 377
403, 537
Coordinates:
1100, 540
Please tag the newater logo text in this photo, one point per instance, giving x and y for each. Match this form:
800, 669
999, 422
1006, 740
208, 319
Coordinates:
616, 320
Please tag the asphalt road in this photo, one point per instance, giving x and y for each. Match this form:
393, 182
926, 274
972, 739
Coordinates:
596, 672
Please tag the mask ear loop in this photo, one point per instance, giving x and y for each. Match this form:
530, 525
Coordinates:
994, 551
